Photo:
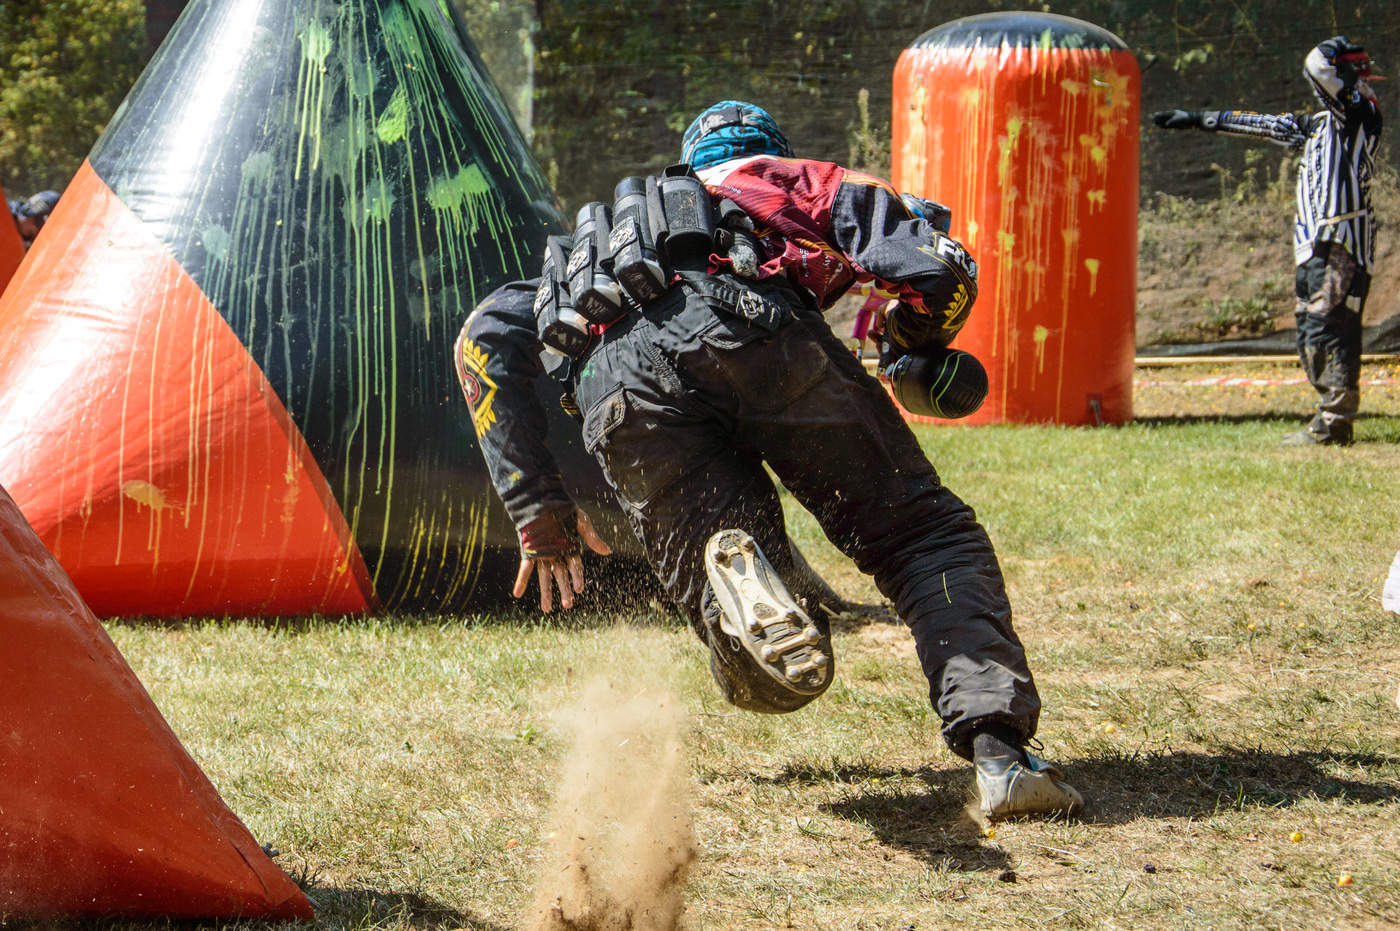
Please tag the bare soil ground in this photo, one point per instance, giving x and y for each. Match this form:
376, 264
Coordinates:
1224, 270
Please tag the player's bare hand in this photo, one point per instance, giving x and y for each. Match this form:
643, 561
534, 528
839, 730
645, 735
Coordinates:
553, 559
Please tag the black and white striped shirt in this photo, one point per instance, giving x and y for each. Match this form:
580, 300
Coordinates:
1334, 174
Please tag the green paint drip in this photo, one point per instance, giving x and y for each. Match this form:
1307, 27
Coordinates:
216, 241
465, 204
379, 200
460, 191
393, 122
311, 87
354, 186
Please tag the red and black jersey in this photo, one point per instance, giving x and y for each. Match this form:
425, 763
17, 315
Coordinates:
827, 227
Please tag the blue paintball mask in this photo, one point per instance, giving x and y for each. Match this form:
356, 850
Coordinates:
39, 206
732, 129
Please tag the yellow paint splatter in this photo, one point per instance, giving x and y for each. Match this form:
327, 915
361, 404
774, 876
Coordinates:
1038, 336
1115, 89
147, 495
1095, 149
1093, 266
291, 493
1096, 199
1007, 145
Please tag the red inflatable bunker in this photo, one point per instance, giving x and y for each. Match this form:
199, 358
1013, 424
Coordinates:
102, 812
1026, 125
11, 248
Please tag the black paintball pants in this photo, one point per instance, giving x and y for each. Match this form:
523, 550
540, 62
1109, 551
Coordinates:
683, 406
1331, 290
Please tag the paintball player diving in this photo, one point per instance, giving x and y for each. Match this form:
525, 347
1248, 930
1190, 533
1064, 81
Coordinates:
1334, 227
686, 325
30, 215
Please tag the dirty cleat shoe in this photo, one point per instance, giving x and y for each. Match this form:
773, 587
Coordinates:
775, 658
1312, 438
1020, 790
1302, 438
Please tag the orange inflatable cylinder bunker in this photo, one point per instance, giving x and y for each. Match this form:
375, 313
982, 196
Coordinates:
1026, 125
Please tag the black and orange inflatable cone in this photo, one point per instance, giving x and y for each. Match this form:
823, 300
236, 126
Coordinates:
104, 813
226, 382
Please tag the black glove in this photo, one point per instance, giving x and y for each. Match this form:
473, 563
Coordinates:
1177, 119
735, 235
910, 330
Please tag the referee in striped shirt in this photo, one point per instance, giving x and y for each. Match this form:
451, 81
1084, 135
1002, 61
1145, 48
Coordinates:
1334, 230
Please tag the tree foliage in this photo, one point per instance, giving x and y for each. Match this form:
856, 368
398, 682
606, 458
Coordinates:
504, 33
65, 66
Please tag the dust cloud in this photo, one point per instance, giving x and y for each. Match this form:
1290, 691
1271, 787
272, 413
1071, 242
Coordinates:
623, 840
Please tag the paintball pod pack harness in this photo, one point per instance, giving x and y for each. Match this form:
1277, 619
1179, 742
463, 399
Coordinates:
663, 228
627, 255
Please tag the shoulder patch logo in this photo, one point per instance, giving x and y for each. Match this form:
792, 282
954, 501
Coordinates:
477, 386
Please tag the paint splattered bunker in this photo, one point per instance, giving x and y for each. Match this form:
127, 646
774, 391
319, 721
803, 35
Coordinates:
226, 381
1026, 124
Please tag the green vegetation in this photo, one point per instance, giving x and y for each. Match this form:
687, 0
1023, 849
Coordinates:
1201, 608
1238, 318
65, 65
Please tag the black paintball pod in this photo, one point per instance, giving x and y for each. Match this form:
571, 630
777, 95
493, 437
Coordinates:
636, 263
594, 292
931, 210
689, 217
561, 328
735, 235
938, 382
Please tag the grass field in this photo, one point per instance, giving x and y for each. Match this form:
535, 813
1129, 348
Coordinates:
1200, 606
